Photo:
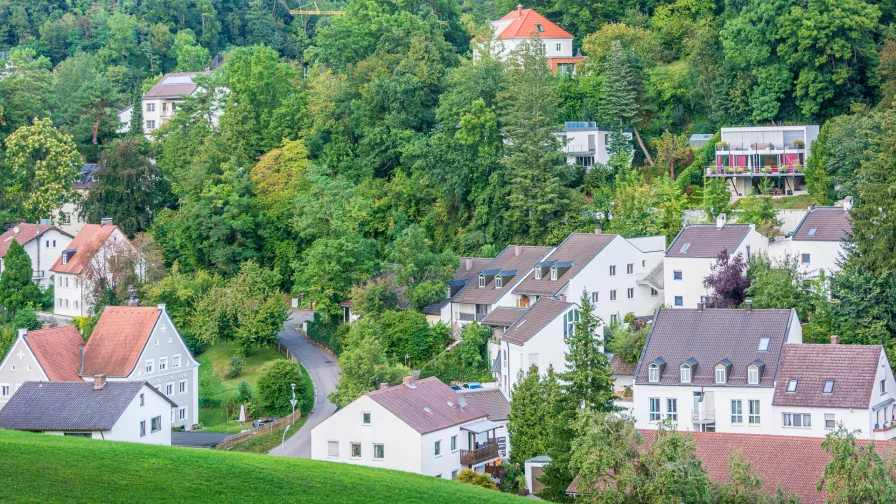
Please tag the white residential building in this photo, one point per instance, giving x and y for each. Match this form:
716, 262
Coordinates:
41, 356
586, 143
113, 411
694, 251
43, 243
161, 102
495, 405
713, 370
817, 241
421, 426
521, 25
467, 271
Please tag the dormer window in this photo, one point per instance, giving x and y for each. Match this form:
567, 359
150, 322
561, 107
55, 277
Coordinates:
553, 273
721, 374
499, 282
653, 374
685, 373
753, 375
828, 387
481, 281
538, 272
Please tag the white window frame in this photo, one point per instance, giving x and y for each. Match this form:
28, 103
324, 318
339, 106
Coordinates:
499, 282
824, 389
630, 268
150, 365
829, 417
630, 293
755, 417
595, 297
142, 428
142, 399
654, 408
883, 386
182, 388
163, 363
366, 418
437, 448
792, 385
763, 344
653, 373
737, 412
182, 414
553, 273
654, 292
612, 270
753, 375
676, 275
559, 47
454, 443
382, 450
158, 420
685, 373
678, 301
175, 361
169, 389
481, 281
5, 390
672, 409
538, 272
790, 420
721, 369
613, 295
351, 451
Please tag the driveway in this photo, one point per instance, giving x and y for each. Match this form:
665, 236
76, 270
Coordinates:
324, 370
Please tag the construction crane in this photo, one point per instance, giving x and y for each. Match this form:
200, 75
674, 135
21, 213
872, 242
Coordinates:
304, 11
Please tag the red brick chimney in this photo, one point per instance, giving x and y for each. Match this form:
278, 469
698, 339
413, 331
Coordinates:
835, 340
468, 263
408, 381
519, 10
99, 381
516, 250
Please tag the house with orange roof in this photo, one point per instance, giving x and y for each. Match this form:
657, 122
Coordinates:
44, 355
43, 243
521, 25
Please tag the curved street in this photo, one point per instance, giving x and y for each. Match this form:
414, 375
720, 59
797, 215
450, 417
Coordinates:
324, 370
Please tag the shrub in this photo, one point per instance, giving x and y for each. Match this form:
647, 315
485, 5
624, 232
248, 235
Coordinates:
236, 367
274, 391
328, 331
244, 392
689, 190
474, 478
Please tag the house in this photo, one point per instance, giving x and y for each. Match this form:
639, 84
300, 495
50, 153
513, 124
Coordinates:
161, 101
467, 271
420, 426
712, 370
521, 25
793, 463
586, 143
43, 243
747, 155
693, 253
91, 249
494, 284
114, 411
817, 241
494, 404
623, 374
128, 343
821, 386
68, 217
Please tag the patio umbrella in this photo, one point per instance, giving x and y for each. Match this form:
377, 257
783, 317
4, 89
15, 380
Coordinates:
242, 413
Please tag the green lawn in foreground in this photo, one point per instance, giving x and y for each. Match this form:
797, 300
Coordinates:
42, 468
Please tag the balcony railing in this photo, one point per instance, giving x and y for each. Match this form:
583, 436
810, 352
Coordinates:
578, 149
38, 274
469, 317
479, 455
759, 147
703, 416
753, 171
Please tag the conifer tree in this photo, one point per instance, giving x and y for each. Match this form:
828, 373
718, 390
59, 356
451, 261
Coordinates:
622, 84
16, 288
525, 423
588, 381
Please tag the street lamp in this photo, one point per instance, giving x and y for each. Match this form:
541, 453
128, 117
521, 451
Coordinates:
293, 402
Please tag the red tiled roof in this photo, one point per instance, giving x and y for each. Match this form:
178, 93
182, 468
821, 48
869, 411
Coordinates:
535, 319
796, 463
578, 249
829, 223
86, 242
27, 232
853, 369
707, 240
173, 85
58, 350
503, 316
118, 340
491, 401
508, 260
410, 405
525, 23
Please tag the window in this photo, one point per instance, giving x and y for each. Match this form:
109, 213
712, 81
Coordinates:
150, 107
613, 270
572, 316
813, 231
481, 281
553, 273
613, 318
679, 301
182, 414
169, 389
883, 386
654, 292
630, 269
78, 434
653, 373
379, 452
163, 363
149, 366
797, 420
720, 374
454, 474
66, 282
143, 428
676, 275
437, 448
763, 345
613, 295
754, 412
76, 304
828, 387
829, 422
672, 409
4, 390
150, 125
540, 28
631, 293
595, 297
142, 400
806, 258
685, 247
365, 418
559, 47
654, 409
538, 272
175, 361
182, 387
356, 450
737, 411
156, 424
454, 443
685, 374
791, 385
499, 282
753, 375
332, 449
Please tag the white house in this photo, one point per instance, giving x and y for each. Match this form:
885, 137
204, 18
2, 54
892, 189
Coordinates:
468, 270
524, 24
586, 143
712, 370
817, 241
94, 245
821, 386
114, 411
421, 426
693, 253
41, 356
43, 243
68, 217
161, 102
495, 405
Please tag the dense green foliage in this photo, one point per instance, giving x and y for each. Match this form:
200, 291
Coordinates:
17, 291
275, 388
468, 361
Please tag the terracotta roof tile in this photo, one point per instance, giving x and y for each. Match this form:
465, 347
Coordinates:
85, 244
118, 340
503, 316
525, 23
476, 265
829, 223
58, 350
578, 249
410, 405
508, 260
853, 369
491, 401
707, 240
27, 232
535, 319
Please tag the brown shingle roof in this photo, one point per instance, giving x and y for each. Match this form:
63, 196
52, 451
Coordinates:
796, 463
508, 260
88, 240
711, 336
491, 401
620, 367
829, 223
58, 350
852, 368
118, 340
578, 249
535, 319
477, 264
173, 85
27, 232
707, 240
410, 405
503, 316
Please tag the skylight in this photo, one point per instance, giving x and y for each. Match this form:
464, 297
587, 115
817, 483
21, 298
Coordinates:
685, 247
540, 28
813, 231
828, 386
791, 387
428, 410
763, 344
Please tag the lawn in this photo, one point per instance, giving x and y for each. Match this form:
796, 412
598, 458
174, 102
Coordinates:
41, 468
266, 443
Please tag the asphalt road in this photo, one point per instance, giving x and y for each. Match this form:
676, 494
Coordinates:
197, 439
324, 370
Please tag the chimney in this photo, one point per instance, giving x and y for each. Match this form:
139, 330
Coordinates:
99, 381
46, 326
408, 381
519, 10
384, 385
847, 203
162, 307
106, 221
699, 306
22, 332
748, 304
835, 340
468, 263
516, 250
598, 231
721, 220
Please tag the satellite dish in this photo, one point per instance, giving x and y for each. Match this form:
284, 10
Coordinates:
15, 230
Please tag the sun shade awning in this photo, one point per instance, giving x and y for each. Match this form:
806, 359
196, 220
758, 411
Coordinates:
480, 426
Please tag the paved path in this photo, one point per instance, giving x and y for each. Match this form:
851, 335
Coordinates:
324, 370
198, 439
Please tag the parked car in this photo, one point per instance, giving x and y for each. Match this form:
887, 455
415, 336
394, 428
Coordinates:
472, 385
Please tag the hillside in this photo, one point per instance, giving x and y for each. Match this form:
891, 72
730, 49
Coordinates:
42, 468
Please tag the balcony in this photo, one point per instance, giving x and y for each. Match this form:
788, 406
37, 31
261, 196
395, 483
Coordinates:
754, 171
487, 452
582, 150
38, 274
703, 416
760, 148
469, 317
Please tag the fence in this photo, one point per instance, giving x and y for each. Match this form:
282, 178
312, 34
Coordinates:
251, 434
285, 351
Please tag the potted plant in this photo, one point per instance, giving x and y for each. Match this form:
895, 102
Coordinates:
797, 168
774, 169
721, 145
729, 169
766, 169
740, 169
799, 144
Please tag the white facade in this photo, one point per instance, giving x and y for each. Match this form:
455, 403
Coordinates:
43, 251
553, 47
585, 143
811, 256
72, 290
17, 367
745, 137
156, 112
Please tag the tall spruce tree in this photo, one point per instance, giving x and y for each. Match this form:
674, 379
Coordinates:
135, 128
622, 73
588, 381
16, 288
525, 423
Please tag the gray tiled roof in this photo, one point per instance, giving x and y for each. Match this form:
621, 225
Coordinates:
507, 260
710, 337
40, 406
503, 316
853, 369
707, 240
410, 405
829, 223
535, 319
491, 401
468, 269
173, 86
620, 367
577, 250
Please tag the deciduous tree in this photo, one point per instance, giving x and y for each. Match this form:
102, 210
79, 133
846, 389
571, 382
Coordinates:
727, 282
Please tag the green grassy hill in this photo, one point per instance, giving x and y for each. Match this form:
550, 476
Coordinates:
43, 468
